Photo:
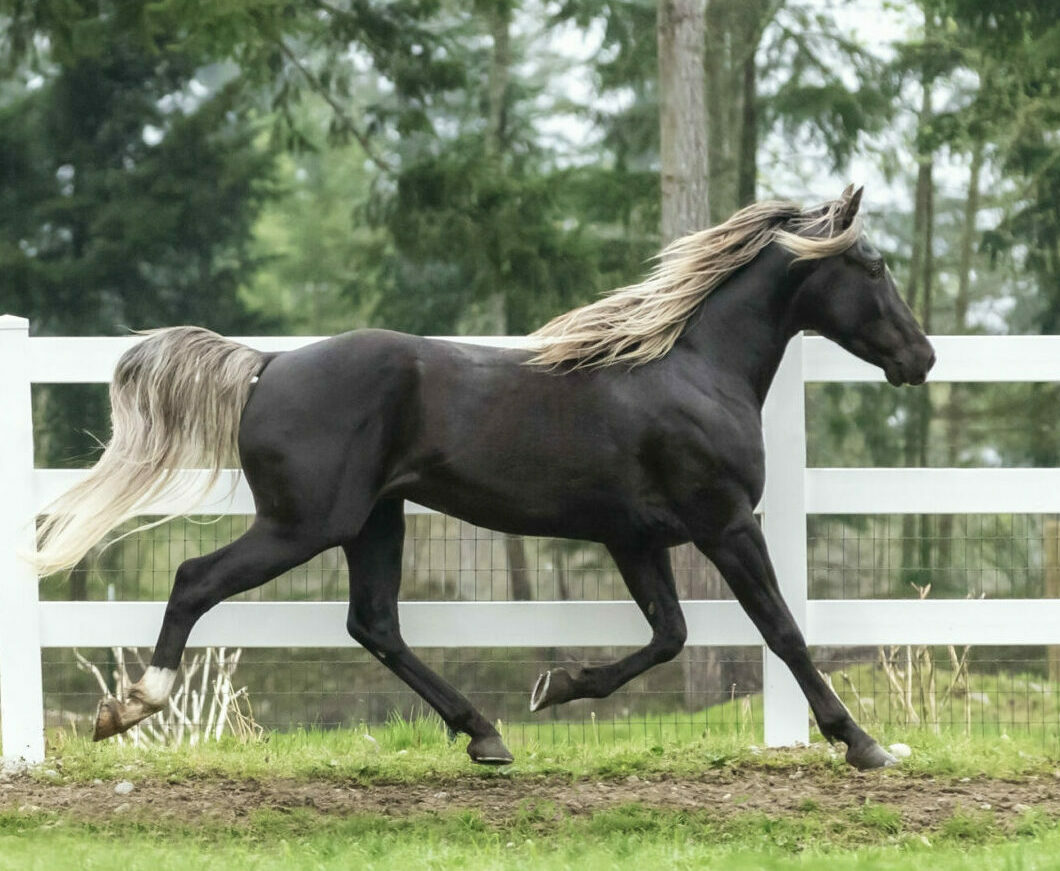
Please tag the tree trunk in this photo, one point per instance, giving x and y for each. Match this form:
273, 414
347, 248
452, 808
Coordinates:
734, 30
955, 405
494, 314
499, 75
518, 570
916, 543
1051, 561
682, 118
720, 100
747, 171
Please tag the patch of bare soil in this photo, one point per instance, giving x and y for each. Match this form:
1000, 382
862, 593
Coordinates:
924, 802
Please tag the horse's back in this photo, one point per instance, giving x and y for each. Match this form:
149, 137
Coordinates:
339, 416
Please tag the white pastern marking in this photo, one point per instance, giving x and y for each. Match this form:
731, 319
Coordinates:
155, 685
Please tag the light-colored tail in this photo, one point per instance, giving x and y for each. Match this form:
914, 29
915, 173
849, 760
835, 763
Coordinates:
176, 402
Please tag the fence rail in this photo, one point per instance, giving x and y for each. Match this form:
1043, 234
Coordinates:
792, 491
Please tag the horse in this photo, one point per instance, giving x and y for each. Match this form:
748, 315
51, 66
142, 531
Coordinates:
633, 421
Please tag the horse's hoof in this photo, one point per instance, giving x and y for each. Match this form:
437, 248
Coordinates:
552, 688
108, 719
114, 716
870, 756
489, 751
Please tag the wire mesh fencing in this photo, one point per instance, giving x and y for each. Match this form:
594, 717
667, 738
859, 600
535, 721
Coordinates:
985, 690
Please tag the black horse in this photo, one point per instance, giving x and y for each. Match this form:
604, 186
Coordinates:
637, 424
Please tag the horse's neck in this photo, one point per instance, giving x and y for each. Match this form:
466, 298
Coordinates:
742, 328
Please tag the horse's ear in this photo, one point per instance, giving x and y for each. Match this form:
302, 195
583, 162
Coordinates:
851, 200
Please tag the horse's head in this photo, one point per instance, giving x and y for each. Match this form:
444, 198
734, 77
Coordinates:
850, 297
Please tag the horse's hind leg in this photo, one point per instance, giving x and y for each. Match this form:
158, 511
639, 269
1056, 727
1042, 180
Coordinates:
374, 557
650, 580
257, 556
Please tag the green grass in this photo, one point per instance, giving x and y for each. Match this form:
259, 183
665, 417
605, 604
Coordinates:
397, 752
996, 703
536, 834
408, 751
625, 837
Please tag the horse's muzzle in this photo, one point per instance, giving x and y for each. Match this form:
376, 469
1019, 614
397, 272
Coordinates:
912, 367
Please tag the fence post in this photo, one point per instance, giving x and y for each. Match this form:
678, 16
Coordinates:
21, 689
784, 509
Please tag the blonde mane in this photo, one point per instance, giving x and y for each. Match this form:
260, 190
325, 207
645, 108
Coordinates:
636, 324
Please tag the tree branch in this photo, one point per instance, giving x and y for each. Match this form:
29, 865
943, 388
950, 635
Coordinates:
347, 121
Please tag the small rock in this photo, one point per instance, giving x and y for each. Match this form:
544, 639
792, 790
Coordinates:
985, 806
28, 809
123, 808
123, 788
727, 796
1020, 808
900, 751
13, 769
97, 782
965, 780
633, 779
441, 795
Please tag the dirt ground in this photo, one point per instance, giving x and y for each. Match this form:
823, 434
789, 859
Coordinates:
923, 802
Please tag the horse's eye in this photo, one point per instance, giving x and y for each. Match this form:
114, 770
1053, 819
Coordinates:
876, 268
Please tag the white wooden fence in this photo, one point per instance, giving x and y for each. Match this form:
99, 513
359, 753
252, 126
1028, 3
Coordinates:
792, 492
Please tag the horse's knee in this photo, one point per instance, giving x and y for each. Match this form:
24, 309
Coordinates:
378, 636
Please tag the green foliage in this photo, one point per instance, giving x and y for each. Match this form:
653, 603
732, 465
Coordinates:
102, 229
128, 193
881, 817
969, 826
318, 261
834, 92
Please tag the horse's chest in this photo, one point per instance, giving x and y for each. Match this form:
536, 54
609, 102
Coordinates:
708, 462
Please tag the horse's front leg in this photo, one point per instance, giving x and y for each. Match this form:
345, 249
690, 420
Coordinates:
739, 552
650, 579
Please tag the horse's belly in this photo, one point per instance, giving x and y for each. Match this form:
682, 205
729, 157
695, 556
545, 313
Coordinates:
556, 512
